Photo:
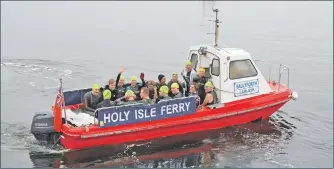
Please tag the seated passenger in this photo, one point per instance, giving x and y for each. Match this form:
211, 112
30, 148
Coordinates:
106, 99
176, 93
161, 82
135, 87
130, 97
193, 92
175, 80
144, 94
163, 93
120, 84
112, 88
91, 99
153, 90
211, 96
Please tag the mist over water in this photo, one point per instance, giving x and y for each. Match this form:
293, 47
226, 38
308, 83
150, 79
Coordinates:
87, 42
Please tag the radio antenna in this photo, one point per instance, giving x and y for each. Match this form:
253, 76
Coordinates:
216, 27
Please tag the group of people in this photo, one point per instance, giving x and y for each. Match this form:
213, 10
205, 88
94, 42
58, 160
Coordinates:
150, 92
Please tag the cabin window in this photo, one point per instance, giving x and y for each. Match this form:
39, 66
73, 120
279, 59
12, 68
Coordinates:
194, 60
242, 69
215, 67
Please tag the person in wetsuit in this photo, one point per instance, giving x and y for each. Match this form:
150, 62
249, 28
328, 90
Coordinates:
176, 93
135, 87
175, 80
112, 88
92, 99
130, 98
188, 74
152, 90
211, 95
106, 99
144, 94
193, 92
120, 84
163, 93
161, 82
201, 82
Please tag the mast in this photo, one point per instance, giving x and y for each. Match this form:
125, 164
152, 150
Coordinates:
216, 27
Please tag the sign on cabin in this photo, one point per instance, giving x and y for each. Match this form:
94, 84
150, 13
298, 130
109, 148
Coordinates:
121, 115
246, 87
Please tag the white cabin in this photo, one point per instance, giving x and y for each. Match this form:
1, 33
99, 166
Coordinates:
233, 72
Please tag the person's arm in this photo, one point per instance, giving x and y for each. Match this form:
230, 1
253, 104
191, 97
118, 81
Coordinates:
206, 100
119, 76
155, 94
86, 105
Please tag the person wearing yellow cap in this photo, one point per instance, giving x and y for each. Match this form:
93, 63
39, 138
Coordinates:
106, 99
201, 82
175, 91
163, 93
211, 95
92, 99
130, 98
175, 80
188, 74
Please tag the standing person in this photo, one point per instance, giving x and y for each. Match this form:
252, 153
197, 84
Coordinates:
152, 90
120, 84
188, 74
92, 99
112, 88
135, 87
161, 82
175, 80
201, 82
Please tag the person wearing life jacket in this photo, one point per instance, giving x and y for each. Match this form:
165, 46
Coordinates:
193, 92
135, 87
188, 74
201, 82
211, 95
120, 84
176, 93
111, 86
163, 93
144, 94
106, 99
175, 80
152, 90
92, 99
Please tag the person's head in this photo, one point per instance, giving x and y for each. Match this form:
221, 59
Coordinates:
175, 88
201, 72
95, 89
150, 84
193, 88
130, 95
163, 91
188, 65
174, 77
162, 79
112, 84
133, 81
208, 87
106, 95
144, 92
121, 80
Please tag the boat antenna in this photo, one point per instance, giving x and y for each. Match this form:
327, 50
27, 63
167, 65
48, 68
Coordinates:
216, 27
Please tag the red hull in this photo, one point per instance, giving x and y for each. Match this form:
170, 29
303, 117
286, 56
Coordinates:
234, 113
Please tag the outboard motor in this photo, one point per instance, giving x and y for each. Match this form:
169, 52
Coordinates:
42, 127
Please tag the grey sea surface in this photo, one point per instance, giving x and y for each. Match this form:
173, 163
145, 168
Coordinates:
88, 42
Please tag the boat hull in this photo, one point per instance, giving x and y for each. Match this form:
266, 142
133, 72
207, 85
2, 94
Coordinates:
234, 113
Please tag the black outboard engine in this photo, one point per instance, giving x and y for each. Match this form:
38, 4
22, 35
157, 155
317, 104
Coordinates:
42, 127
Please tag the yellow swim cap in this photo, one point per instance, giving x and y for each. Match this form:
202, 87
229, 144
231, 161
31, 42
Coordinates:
188, 63
208, 84
122, 77
95, 86
175, 85
201, 69
130, 93
106, 95
164, 89
134, 78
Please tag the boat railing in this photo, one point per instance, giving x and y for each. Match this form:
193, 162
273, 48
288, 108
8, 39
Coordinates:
282, 68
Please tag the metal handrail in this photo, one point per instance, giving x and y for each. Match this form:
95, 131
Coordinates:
281, 69
269, 66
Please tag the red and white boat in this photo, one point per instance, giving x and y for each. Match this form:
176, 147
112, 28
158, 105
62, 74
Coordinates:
243, 92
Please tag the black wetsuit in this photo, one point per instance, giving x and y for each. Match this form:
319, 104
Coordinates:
120, 90
201, 90
113, 93
170, 85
